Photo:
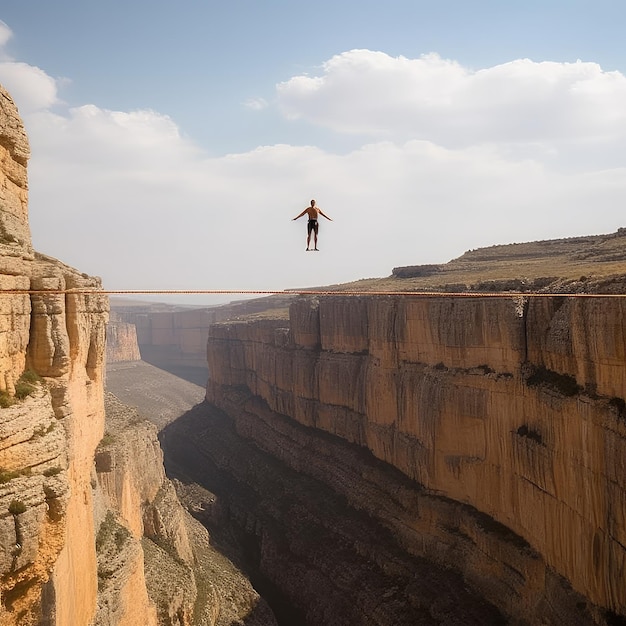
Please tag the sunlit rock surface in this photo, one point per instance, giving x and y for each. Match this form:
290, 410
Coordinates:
48, 439
506, 414
122, 342
176, 336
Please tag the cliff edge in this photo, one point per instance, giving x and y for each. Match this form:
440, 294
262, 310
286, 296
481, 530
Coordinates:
505, 416
49, 430
92, 533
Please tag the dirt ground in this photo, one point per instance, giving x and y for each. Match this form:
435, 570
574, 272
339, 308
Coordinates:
158, 395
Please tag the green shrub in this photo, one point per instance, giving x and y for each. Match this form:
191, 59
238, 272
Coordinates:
25, 386
7, 476
107, 440
29, 376
6, 400
121, 535
24, 389
563, 383
111, 530
106, 529
44, 430
52, 471
16, 507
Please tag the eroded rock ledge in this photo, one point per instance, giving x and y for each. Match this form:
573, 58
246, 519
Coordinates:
303, 512
504, 415
156, 564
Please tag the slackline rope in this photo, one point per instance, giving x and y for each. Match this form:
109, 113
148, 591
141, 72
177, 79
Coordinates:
296, 292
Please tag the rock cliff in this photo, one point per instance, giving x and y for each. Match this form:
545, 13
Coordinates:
121, 342
49, 429
173, 336
156, 566
500, 421
91, 531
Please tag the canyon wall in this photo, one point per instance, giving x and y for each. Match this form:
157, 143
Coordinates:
506, 414
122, 344
176, 336
51, 367
156, 566
91, 531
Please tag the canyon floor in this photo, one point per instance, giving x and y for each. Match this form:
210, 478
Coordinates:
160, 396
327, 562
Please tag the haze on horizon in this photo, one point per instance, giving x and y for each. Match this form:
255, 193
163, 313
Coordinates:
171, 149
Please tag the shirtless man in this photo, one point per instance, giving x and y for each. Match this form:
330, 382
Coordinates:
313, 212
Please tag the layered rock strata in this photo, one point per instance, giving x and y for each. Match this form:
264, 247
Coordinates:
122, 342
156, 564
506, 415
91, 532
151, 552
286, 504
142, 529
48, 434
176, 336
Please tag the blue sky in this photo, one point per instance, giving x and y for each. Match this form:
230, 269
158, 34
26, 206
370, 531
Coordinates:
173, 143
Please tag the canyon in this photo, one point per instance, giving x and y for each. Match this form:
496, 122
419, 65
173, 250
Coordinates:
442, 446
465, 435
92, 532
499, 423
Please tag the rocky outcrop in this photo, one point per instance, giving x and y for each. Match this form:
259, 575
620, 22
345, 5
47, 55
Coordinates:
47, 443
137, 504
50, 427
176, 336
14, 155
91, 532
122, 342
152, 554
505, 416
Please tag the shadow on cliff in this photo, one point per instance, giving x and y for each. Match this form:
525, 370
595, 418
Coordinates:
312, 556
192, 374
206, 489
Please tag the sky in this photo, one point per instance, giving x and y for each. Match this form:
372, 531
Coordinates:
173, 143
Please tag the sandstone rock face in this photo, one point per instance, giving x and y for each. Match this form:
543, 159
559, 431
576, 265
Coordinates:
137, 503
508, 414
155, 562
48, 438
174, 336
14, 155
305, 510
122, 342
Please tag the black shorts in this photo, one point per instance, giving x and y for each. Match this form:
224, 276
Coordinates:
312, 225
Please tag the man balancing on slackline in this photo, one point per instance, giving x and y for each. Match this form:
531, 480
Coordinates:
312, 227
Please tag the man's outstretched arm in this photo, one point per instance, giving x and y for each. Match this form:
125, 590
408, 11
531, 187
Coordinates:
301, 214
324, 214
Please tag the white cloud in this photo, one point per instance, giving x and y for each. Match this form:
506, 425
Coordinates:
126, 196
373, 94
29, 86
5, 35
256, 104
